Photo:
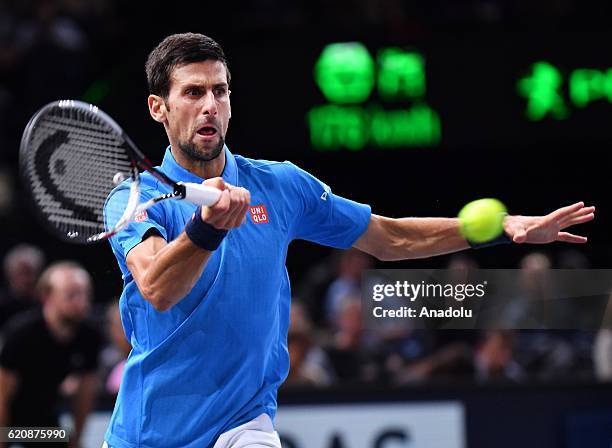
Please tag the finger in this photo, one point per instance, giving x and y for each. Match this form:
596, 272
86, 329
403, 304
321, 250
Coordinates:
216, 182
215, 215
247, 203
223, 204
520, 235
240, 216
225, 221
581, 212
564, 211
571, 238
577, 220
237, 210
245, 200
236, 216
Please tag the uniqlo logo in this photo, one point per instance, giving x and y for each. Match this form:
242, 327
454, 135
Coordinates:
141, 216
259, 214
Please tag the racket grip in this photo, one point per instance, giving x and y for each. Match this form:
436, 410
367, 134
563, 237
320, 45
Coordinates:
200, 194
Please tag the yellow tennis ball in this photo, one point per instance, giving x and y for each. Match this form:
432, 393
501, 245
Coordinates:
482, 220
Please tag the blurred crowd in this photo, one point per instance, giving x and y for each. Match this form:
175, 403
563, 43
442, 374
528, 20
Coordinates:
57, 345
330, 343
47, 51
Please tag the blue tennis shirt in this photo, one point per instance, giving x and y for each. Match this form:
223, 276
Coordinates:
216, 359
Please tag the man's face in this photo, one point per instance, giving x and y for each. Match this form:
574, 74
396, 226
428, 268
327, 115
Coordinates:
22, 277
198, 109
70, 295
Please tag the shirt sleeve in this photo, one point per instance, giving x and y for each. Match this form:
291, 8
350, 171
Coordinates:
132, 235
321, 216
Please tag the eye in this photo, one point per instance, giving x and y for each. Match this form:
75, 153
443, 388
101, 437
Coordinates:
220, 91
193, 91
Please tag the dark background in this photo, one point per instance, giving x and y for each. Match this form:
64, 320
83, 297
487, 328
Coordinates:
475, 53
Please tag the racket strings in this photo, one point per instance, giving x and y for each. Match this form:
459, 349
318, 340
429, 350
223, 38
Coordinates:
74, 159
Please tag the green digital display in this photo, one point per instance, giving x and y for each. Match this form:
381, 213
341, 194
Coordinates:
551, 94
449, 95
401, 75
588, 85
345, 73
333, 127
543, 92
376, 103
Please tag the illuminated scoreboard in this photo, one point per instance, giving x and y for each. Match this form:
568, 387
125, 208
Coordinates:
371, 102
474, 93
543, 90
493, 92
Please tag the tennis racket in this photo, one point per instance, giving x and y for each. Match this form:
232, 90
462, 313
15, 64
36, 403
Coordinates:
72, 156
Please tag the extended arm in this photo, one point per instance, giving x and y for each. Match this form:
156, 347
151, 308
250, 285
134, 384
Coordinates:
166, 272
391, 239
398, 239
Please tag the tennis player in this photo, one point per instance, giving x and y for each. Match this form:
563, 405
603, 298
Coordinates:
206, 292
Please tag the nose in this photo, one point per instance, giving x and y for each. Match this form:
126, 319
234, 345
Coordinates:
209, 106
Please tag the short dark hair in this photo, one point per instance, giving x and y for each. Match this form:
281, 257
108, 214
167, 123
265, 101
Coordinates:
177, 50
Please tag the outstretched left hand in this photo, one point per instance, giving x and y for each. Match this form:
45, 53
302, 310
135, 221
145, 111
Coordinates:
546, 229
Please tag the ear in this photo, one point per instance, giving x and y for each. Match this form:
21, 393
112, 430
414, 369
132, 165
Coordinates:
229, 92
157, 108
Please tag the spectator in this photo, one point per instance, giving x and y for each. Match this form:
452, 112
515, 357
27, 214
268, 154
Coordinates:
43, 348
494, 358
312, 286
602, 355
545, 353
530, 308
351, 266
22, 266
353, 353
309, 364
449, 359
602, 348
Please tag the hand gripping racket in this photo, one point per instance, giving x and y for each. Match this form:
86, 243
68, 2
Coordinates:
72, 156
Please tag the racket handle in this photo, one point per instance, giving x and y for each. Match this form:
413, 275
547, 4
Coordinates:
200, 194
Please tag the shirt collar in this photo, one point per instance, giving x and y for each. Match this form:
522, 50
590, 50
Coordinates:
177, 173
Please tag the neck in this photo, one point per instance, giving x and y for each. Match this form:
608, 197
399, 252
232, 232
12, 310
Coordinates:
203, 169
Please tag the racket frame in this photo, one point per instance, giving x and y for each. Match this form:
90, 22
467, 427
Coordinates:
138, 161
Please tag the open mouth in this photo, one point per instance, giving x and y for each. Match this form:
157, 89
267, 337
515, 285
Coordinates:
207, 131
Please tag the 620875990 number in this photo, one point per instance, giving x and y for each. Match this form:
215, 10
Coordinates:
27, 434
